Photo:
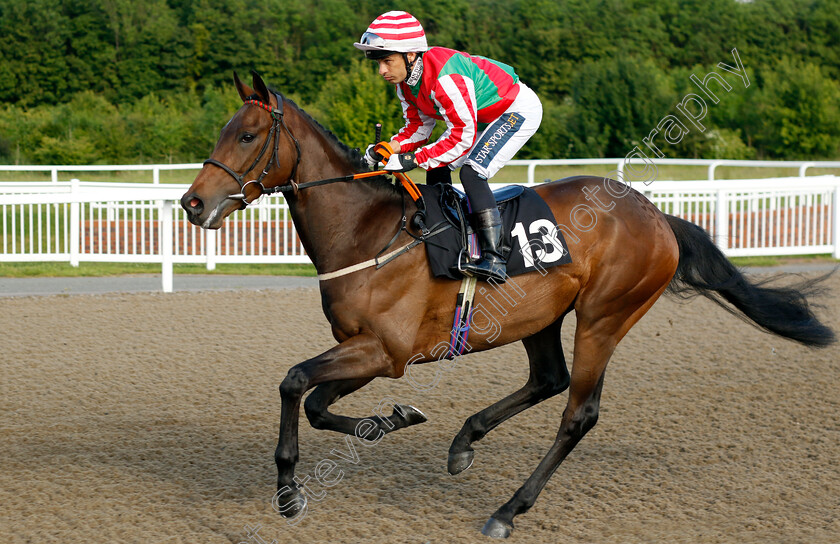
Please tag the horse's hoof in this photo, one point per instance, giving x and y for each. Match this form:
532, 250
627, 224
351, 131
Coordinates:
289, 502
496, 529
410, 414
459, 462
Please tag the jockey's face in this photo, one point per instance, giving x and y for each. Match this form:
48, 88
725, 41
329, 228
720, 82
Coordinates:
392, 68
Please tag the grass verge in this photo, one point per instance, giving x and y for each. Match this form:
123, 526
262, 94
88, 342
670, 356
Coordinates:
779, 261
64, 270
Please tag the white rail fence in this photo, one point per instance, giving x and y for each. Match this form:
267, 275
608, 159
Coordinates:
108, 222
636, 163
779, 216
143, 222
531, 166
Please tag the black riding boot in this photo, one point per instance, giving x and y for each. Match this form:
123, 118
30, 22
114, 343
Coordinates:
492, 263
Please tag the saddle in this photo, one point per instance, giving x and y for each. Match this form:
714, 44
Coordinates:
456, 206
526, 218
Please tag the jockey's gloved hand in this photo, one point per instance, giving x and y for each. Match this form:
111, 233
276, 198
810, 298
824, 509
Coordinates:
372, 158
402, 162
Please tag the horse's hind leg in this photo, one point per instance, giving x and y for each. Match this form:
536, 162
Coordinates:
592, 351
549, 376
328, 393
598, 332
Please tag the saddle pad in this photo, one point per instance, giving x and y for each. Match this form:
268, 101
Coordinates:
530, 241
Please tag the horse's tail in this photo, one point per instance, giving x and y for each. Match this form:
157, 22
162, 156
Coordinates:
704, 270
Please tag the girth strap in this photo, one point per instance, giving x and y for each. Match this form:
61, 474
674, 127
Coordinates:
381, 260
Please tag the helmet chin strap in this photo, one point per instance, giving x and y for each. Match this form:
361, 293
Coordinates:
413, 69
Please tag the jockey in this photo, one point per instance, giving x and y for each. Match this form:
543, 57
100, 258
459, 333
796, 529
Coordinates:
463, 91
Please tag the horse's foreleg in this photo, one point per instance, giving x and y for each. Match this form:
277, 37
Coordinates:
324, 395
549, 376
357, 358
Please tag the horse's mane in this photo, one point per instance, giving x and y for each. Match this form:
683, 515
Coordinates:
353, 156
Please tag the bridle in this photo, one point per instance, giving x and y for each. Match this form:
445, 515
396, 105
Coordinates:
278, 122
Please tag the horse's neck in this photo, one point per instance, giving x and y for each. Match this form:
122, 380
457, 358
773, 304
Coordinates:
341, 223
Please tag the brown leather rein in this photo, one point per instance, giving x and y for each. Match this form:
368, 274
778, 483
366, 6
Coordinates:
278, 122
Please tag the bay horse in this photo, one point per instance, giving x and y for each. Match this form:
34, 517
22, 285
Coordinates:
387, 318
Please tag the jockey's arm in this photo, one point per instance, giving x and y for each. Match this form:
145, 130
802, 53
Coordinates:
418, 127
456, 102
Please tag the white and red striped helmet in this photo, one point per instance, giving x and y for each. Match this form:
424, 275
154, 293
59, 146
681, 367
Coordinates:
393, 32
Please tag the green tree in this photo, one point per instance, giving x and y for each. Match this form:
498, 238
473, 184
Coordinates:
32, 38
147, 47
555, 138
618, 101
796, 114
353, 101
605, 69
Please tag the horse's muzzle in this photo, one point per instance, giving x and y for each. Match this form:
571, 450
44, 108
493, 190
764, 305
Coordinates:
194, 206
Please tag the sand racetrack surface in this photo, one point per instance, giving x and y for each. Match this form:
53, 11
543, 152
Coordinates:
153, 418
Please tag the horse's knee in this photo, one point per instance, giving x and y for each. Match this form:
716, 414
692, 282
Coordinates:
315, 412
581, 421
549, 385
294, 384
590, 416
555, 386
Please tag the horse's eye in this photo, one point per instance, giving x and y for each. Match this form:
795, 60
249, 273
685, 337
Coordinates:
247, 138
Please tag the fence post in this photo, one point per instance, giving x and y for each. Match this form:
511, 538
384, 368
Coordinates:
722, 221
836, 226
531, 168
712, 168
166, 245
803, 167
210, 249
262, 209
156, 175
75, 220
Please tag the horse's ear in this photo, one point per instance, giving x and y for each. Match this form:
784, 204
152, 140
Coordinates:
245, 92
260, 87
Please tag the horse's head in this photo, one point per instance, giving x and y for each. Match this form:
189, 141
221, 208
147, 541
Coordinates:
256, 151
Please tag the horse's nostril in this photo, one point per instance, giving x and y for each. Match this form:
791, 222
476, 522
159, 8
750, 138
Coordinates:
192, 204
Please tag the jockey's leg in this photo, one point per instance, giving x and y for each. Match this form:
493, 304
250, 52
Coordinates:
491, 151
442, 174
489, 227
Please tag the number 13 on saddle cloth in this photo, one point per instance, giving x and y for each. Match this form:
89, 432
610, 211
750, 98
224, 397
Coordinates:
531, 239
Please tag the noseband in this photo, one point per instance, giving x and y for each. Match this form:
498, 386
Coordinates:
278, 121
